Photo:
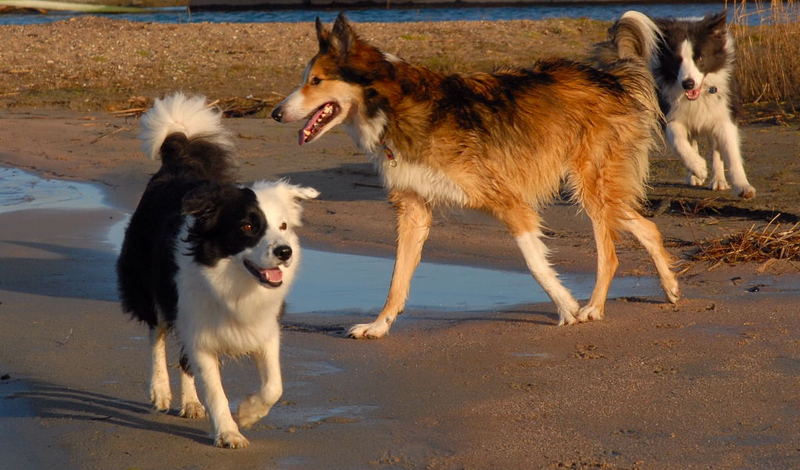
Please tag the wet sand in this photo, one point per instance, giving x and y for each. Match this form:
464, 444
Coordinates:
712, 382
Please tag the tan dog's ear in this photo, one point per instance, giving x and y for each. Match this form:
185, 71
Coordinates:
323, 37
343, 38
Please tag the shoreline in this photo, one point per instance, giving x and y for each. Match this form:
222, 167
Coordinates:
446, 389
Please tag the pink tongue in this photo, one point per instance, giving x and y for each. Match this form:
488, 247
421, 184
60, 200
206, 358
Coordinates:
693, 94
272, 275
303, 138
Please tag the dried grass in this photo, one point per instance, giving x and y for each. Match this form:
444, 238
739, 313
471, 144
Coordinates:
772, 242
768, 55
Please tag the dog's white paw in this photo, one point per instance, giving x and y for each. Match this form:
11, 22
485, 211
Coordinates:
694, 180
718, 184
193, 410
672, 290
231, 440
160, 397
747, 192
251, 410
590, 313
374, 330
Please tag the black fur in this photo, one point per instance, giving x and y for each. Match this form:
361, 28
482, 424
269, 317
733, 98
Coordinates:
194, 173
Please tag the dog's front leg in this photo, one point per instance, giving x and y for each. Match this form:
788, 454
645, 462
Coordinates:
727, 139
226, 433
257, 405
678, 136
413, 226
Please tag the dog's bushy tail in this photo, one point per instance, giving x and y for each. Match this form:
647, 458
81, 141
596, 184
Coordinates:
187, 135
628, 54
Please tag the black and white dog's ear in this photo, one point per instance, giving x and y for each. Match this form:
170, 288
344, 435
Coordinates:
342, 38
202, 201
717, 23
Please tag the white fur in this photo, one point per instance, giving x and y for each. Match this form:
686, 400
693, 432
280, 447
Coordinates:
707, 117
180, 113
535, 254
224, 310
431, 184
651, 34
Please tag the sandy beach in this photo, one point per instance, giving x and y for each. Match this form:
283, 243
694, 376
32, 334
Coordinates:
710, 383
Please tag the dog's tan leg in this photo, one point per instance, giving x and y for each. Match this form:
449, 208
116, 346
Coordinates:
413, 225
160, 393
523, 223
190, 405
257, 405
648, 235
226, 433
607, 264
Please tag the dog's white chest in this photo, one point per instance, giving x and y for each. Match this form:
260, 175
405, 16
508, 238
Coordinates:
433, 185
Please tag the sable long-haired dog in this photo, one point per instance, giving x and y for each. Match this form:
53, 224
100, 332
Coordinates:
212, 259
499, 142
693, 65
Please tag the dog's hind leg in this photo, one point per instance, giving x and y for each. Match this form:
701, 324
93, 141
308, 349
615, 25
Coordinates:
257, 405
648, 235
413, 226
607, 263
160, 393
523, 223
190, 405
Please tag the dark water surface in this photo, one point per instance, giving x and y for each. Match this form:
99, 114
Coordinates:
605, 12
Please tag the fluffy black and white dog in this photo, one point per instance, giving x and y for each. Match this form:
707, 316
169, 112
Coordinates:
693, 63
211, 259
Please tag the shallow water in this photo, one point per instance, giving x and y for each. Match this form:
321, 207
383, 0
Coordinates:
21, 190
602, 11
339, 282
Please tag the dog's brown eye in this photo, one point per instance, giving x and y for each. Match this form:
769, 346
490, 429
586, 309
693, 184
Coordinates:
283, 226
247, 228
315, 81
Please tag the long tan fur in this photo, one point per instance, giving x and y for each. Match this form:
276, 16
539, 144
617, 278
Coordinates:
501, 142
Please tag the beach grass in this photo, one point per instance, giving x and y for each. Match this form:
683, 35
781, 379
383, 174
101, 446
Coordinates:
768, 54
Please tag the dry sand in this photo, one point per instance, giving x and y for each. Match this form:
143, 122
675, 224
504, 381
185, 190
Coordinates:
711, 383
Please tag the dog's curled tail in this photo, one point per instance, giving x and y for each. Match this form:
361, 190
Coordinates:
629, 54
181, 114
635, 35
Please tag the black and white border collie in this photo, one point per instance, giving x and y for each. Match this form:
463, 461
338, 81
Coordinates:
211, 259
693, 65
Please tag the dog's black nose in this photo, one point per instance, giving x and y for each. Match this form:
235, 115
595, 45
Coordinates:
277, 113
282, 252
687, 84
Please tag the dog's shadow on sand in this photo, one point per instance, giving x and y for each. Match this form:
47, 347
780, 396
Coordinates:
62, 271
346, 182
50, 401
339, 327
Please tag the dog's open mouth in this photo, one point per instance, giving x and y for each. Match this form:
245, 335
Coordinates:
272, 277
318, 120
693, 94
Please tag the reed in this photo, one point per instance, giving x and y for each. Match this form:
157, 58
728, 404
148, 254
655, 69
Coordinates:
768, 54
772, 241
